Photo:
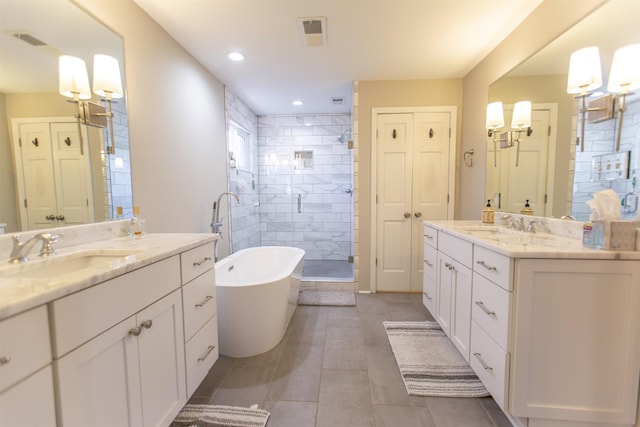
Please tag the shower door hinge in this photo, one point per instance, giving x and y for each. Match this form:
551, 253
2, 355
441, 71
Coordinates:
350, 259
350, 145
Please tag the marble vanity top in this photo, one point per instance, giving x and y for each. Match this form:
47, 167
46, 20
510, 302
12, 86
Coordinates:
566, 243
42, 280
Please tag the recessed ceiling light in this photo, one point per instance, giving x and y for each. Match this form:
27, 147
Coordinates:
235, 56
297, 102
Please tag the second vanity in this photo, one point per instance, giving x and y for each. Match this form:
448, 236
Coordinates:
114, 332
551, 329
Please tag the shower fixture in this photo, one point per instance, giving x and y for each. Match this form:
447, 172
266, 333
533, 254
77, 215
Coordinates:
216, 221
344, 137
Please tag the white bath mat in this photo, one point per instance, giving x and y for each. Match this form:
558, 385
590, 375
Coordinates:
324, 297
220, 416
429, 363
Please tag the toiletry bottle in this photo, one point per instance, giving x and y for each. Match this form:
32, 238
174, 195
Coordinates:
488, 213
136, 226
119, 214
527, 209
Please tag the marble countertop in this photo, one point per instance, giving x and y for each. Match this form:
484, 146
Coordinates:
520, 244
22, 288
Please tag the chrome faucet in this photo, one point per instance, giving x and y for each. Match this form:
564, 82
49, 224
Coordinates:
21, 249
216, 221
569, 217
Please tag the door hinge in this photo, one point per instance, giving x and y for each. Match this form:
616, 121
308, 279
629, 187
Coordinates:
549, 131
25, 203
376, 262
87, 202
447, 197
449, 132
20, 142
545, 199
376, 199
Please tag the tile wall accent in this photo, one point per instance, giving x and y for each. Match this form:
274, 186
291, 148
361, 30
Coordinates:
245, 216
118, 177
322, 224
600, 139
356, 188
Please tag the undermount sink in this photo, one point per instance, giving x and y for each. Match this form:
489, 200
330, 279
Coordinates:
58, 266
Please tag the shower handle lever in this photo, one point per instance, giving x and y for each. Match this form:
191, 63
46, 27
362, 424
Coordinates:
299, 202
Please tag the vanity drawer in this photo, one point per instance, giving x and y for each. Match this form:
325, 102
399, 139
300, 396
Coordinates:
495, 267
199, 302
430, 262
456, 248
196, 261
24, 345
201, 353
81, 316
490, 309
490, 363
429, 297
430, 236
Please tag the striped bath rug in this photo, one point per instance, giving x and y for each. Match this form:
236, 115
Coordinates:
429, 363
220, 416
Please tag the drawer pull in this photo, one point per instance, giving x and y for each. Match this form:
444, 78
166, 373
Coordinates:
206, 353
4, 360
204, 301
427, 295
199, 263
428, 263
485, 309
449, 266
488, 267
428, 237
147, 324
135, 331
482, 362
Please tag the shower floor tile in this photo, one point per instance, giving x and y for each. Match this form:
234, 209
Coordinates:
327, 269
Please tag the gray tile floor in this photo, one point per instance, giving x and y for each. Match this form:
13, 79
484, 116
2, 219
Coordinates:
334, 367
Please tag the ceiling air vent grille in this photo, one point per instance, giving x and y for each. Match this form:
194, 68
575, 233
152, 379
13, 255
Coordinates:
28, 38
313, 31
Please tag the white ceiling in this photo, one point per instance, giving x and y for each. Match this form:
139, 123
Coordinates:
366, 40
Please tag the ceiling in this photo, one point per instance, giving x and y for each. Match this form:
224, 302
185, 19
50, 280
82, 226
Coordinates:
365, 40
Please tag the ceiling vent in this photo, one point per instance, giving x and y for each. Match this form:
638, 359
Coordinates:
28, 38
337, 100
313, 31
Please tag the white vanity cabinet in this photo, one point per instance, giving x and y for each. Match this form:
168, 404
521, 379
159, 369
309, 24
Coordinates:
430, 276
200, 319
119, 350
449, 301
26, 379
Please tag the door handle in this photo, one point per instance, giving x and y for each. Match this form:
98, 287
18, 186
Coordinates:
50, 217
418, 214
407, 215
60, 217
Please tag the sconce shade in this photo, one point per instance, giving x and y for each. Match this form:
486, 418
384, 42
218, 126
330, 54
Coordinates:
585, 72
106, 76
625, 69
495, 115
521, 115
73, 79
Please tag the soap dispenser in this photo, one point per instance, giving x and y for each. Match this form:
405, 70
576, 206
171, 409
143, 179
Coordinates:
527, 209
488, 213
136, 226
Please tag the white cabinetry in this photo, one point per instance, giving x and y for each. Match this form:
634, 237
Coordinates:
200, 320
430, 276
120, 355
25, 370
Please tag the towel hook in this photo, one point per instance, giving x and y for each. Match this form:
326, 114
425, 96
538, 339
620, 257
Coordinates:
468, 160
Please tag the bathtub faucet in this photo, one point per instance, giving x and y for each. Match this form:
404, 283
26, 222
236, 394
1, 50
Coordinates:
216, 221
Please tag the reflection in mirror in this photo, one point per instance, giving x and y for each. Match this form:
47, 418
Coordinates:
555, 178
51, 173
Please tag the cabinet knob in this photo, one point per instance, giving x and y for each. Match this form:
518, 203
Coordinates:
4, 360
418, 214
147, 324
135, 331
407, 215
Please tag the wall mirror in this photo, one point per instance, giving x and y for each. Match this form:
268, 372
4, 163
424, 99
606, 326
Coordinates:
544, 174
29, 94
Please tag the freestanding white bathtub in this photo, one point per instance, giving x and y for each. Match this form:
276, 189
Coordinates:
257, 292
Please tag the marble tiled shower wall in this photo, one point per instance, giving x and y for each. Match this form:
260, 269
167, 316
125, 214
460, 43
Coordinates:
321, 222
600, 139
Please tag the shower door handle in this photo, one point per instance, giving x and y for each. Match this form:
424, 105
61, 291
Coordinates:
299, 202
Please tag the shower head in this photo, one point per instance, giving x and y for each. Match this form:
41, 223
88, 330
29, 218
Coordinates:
344, 136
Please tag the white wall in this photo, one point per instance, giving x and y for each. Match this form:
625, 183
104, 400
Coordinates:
176, 122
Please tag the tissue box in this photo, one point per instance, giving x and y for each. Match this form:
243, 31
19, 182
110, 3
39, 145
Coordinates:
618, 235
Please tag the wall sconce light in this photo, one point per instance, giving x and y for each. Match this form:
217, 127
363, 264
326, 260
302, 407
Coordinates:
495, 122
107, 84
624, 77
585, 76
73, 82
520, 122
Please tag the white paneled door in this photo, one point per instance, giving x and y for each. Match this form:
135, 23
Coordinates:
412, 184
